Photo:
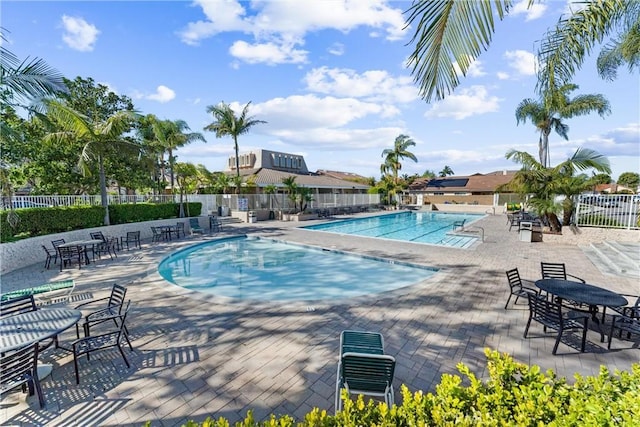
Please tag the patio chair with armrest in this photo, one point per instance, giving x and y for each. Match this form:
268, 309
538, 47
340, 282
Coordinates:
70, 254
553, 270
111, 307
108, 246
367, 374
517, 287
132, 238
17, 305
56, 243
105, 340
550, 315
51, 254
20, 368
628, 322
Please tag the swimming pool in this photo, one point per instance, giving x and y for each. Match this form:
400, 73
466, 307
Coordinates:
419, 227
264, 269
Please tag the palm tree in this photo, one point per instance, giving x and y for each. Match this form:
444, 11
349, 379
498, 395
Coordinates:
227, 123
20, 83
544, 183
171, 135
187, 176
99, 137
446, 171
548, 113
393, 156
453, 31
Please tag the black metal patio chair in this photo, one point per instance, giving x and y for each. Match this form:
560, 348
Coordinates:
551, 316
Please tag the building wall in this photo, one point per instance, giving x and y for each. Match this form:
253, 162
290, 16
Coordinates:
482, 199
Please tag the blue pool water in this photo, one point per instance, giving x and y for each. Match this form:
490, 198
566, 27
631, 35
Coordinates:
419, 227
262, 269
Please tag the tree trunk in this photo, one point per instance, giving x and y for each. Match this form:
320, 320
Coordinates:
544, 148
235, 143
103, 191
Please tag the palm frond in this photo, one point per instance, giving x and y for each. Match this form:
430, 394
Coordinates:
29, 79
565, 47
448, 32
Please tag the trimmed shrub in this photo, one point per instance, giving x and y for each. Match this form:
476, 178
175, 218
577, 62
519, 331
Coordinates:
41, 221
513, 395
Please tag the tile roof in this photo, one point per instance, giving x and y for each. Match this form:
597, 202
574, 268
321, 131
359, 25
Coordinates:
266, 177
474, 183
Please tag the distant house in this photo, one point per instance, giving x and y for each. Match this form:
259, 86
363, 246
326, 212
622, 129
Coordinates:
612, 188
473, 189
266, 167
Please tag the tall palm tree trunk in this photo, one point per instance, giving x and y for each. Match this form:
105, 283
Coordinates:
235, 143
544, 148
103, 191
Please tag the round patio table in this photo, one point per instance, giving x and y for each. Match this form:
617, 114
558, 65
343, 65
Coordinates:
35, 326
583, 293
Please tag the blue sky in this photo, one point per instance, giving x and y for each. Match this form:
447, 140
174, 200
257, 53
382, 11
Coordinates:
328, 76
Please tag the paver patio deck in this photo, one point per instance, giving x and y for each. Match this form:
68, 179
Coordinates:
198, 356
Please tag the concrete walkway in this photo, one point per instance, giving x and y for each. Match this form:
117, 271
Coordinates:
198, 356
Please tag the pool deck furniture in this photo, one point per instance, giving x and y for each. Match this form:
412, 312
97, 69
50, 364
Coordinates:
107, 308
517, 287
50, 255
551, 315
77, 248
583, 293
104, 340
131, 239
48, 293
195, 226
361, 342
367, 374
429, 330
27, 328
20, 367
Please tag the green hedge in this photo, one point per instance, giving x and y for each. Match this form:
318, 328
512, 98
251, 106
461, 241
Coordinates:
41, 221
513, 395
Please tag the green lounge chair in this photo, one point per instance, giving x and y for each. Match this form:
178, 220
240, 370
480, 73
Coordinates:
361, 342
368, 374
49, 293
195, 226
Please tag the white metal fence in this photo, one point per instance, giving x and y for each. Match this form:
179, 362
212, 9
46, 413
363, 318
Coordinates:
211, 203
608, 211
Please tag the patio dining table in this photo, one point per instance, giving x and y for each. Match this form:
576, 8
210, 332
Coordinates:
27, 328
84, 244
583, 293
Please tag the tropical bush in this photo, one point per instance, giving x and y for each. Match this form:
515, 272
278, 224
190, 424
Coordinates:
513, 395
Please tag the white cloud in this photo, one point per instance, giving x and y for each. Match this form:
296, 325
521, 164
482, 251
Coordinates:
163, 94
373, 85
522, 61
502, 75
336, 49
467, 103
475, 69
269, 53
310, 111
288, 21
536, 10
342, 139
79, 34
